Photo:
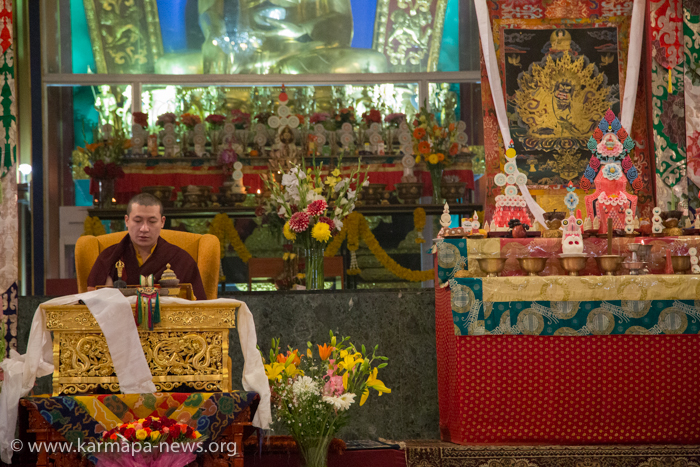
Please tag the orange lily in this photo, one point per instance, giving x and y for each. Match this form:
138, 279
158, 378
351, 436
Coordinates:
325, 351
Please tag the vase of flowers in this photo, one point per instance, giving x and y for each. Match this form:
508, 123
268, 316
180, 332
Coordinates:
313, 394
104, 158
216, 123
302, 199
189, 121
148, 442
436, 146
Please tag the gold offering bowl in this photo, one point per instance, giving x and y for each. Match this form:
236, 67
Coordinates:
573, 264
608, 264
680, 264
531, 265
492, 266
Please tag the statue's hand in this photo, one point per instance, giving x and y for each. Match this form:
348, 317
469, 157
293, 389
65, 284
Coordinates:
285, 28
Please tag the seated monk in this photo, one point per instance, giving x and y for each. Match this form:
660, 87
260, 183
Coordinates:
144, 252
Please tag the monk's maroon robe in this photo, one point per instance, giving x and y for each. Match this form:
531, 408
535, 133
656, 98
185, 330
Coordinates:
182, 264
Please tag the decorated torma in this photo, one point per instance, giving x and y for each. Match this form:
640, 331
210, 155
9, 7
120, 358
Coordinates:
610, 162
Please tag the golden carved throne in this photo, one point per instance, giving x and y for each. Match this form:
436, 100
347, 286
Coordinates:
205, 249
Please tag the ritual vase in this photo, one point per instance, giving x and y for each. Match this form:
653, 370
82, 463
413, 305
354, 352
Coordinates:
314, 451
105, 193
314, 265
436, 179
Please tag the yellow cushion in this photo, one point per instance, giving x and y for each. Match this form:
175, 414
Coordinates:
204, 249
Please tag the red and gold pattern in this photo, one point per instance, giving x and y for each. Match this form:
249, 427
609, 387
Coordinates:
529, 389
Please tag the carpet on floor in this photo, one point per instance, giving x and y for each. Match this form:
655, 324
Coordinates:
440, 454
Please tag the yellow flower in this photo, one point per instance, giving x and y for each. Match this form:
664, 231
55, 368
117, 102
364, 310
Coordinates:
301, 276
274, 371
285, 257
336, 173
197, 435
155, 435
319, 190
292, 370
287, 232
433, 159
141, 434
418, 159
374, 383
348, 360
321, 232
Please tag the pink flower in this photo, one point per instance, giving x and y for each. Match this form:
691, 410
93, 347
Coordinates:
319, 117
299, 222
327, 220
594, 163
317, 207
334, 386
627, 163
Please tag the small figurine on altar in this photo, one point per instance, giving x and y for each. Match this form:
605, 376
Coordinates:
610, 162
696, 222
694, 266
475, 224
596, 223
445, 221
657, 226
629, 222
572, 241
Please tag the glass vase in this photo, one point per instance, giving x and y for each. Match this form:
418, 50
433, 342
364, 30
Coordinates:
314, 451
314, 266
105, 193
436, 179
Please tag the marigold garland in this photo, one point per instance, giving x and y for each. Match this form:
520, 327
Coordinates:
419, 223
222, 227
356, 227
93, 226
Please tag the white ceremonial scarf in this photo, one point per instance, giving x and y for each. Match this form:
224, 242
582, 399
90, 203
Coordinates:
109, 307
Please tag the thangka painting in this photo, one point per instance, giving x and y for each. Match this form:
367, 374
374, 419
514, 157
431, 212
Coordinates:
559, 84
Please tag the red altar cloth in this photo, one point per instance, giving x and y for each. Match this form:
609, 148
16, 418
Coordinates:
565, 390
179, 175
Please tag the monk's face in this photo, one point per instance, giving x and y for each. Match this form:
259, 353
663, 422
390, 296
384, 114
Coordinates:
144, 224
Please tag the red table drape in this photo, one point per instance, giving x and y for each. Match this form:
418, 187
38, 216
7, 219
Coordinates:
566, 390
183, 175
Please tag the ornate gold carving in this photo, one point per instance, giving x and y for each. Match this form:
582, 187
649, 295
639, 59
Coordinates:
125, 35
189, 346
414, 32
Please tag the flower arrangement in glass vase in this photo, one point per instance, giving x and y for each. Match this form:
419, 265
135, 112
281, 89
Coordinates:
436, 145
149, 441
215, 123
104, 157
313, 393
314, 206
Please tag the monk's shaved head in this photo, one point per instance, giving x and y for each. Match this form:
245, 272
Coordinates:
144, 199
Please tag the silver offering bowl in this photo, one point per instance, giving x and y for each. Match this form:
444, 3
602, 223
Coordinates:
573, 263
634, 267
608, 264
680, 264
492, 266
641, 250
531, 265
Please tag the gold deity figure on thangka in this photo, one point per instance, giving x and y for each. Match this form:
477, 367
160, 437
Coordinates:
556, 102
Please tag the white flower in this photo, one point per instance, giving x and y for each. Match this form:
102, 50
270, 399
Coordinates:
351, 193
343, 201
338, 224
366, 182
304, 386
341, 184
289, 180
312, 196
340, 402
337, 212
282, 212
295, 171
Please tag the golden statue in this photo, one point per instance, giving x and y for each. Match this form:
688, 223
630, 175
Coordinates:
276, 36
